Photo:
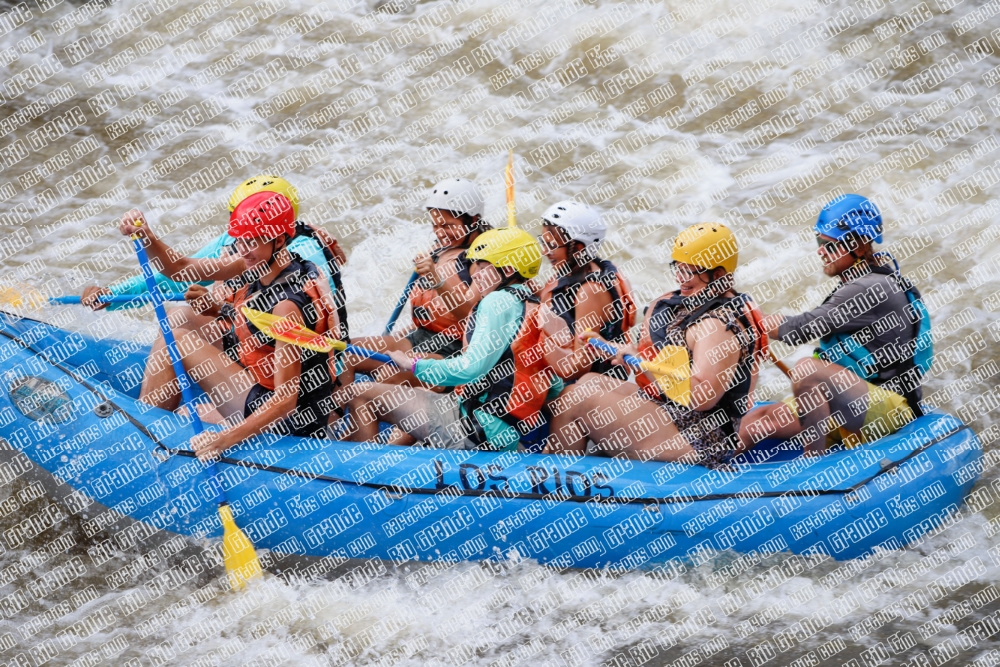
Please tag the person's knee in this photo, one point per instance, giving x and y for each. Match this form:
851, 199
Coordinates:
755, 428
599, 381
188, 340
569, 434
576, 400
358, 409
806, 375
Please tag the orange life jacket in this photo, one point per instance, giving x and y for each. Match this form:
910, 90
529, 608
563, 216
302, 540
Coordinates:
298, 283
516, 388
428, 309
559, 294
339, 297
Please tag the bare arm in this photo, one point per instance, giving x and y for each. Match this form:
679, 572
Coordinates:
287, 371
772, 323
453, 295
174, 265
715, 353
564, 351
557, 343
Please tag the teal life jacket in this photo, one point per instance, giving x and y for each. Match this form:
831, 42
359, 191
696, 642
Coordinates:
849, 351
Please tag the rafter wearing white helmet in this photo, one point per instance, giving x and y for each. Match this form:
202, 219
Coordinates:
458, 195
581, 223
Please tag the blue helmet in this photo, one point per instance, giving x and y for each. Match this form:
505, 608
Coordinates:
850, 214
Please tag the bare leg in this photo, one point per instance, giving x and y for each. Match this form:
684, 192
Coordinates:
397, 404
159, 372
611, 413
824, 390
207, 412
225, 382
775, 420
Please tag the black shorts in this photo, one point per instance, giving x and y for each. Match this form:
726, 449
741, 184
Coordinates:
304, 422
428, 342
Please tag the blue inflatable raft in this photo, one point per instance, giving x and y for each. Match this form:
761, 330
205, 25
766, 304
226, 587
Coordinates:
68, 407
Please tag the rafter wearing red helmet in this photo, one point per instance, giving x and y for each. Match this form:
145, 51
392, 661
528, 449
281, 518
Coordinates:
257, 385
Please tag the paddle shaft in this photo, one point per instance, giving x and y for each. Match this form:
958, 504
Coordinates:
637, 363
780, 364
368, 354
634, 362
118, 298
509, 178
175, 357
295, 333
403, 298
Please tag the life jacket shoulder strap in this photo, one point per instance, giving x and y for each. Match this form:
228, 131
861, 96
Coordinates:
340, 298
463, 266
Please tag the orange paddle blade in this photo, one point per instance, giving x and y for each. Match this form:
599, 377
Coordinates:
291, 332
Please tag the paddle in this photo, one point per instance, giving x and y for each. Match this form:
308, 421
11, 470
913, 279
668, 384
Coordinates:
671, 372
780, 364
294, 333
237, 551
509, 178
117, 298
403, 298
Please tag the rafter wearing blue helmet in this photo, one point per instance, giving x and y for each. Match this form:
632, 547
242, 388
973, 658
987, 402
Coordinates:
863, 381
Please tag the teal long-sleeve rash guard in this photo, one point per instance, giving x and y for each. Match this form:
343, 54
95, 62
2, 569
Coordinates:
498, 319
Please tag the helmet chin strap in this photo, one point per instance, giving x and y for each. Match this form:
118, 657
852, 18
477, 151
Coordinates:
274, 254
464, 241
507, 280
469, 231
715, 287
579, 259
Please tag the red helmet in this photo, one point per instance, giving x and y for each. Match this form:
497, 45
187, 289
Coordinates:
265, 215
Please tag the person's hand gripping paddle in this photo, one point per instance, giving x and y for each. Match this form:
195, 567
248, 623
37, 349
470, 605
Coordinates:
671, 369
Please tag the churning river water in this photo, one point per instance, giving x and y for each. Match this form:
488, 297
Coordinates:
662, 114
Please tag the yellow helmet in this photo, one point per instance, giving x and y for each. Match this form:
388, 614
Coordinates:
510, 246
265, 183
706, 245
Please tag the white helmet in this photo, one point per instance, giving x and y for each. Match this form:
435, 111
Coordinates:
581, 222
459, 195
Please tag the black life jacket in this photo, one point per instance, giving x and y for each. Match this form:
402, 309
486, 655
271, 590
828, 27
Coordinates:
663, 328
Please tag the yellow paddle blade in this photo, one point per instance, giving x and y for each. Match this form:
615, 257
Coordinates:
509, 177
672, 371
22, 296
237, 552
293, 333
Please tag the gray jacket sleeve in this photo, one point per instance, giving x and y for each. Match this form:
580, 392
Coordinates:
852, 307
